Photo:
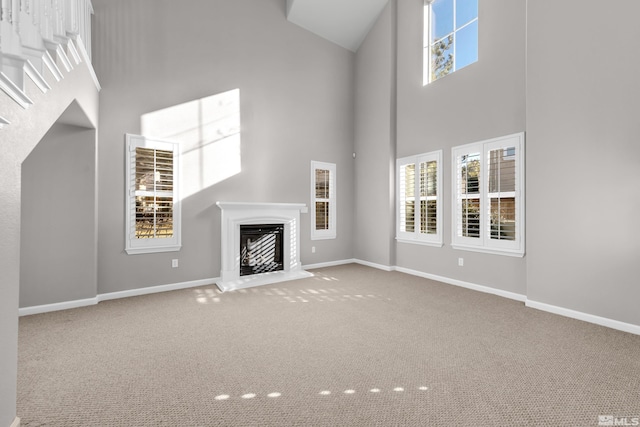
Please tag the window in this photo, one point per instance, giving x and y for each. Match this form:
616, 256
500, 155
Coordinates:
488, 179
323, 200
450, 36
152, 207
419, 203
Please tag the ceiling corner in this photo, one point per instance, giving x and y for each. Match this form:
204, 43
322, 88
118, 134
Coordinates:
343, 22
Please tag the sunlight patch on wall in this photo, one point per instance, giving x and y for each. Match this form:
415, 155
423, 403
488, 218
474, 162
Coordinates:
208, 130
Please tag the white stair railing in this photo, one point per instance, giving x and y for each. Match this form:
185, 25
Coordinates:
35, 34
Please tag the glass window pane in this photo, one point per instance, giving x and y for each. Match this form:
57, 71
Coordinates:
466, 11
442, 58
154, 217
470, 174
503, 218
467, 45
407, 194
441, 19
322, 184
322, 215
410, 216
154, 170
428, 218
164, 217
471, 218
502, 170
494, 171
410, 181
428, 179
508, 175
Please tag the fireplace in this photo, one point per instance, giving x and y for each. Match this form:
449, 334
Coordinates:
260, 244
261, 248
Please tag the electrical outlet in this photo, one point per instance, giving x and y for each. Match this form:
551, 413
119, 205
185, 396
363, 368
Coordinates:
174, 263
461, 262
313, 249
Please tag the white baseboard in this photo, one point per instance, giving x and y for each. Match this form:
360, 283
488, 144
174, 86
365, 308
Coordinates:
46, 308
348, 261
328, 264
26, 311
467, 285
15, 423
374, 265
455, 282
590, 318
156, 289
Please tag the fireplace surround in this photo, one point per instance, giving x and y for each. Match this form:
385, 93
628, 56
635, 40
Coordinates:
270, 260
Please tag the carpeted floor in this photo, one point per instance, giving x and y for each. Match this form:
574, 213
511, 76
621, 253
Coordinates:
352, 346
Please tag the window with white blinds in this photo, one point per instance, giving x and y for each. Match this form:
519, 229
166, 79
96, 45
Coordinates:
488, 180
419, 202
152, 207
323, 200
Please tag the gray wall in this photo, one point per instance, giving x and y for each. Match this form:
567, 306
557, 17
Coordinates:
297, 105
58, 240
481, 101
26, 129
375, 142
583, 157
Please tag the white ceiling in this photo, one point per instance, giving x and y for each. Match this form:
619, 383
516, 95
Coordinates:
344, 22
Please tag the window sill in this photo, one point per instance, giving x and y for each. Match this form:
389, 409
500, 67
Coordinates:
326, 237
420, 242
138, 251
516, 254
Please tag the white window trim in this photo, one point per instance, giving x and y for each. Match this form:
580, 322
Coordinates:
135, 246
415, 237
484, 243
331, 232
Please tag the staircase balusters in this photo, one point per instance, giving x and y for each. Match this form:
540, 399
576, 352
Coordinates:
34, 31
5, 12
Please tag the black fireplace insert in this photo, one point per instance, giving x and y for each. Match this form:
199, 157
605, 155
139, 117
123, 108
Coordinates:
261, 248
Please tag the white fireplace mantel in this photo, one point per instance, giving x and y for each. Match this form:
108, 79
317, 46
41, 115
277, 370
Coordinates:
235, 214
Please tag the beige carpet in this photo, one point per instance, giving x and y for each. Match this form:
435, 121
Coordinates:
352, 346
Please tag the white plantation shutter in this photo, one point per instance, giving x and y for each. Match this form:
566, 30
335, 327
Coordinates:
428, 191
419, 206
323, 200
501, 218
489, 196
467, 183
407, 202
153, 190
153, 208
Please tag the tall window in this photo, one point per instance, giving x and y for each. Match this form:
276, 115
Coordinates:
419, 203
488, 179
450, 36
152, 207
323, 203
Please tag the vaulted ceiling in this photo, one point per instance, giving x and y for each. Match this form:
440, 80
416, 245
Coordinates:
344, 22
